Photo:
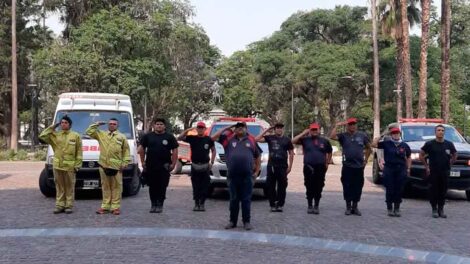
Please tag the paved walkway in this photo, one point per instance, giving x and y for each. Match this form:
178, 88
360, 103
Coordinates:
29, 232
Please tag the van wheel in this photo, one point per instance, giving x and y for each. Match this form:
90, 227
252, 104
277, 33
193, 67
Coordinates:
44, 185
265, 192
178, 168
210, 191
133, 186
467, 192
376, 172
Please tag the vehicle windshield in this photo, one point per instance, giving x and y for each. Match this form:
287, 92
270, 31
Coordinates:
252, 129
82, 119
424, 133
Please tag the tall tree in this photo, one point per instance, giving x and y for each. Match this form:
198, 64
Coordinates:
406, 58
423, 62
445, 59
14, 81
393, 25
376, 70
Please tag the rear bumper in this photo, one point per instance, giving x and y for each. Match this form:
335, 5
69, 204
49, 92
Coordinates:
461, 182
89, 174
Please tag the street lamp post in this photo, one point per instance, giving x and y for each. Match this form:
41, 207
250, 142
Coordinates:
465, 119
34, 121
292, 112
315, 113
344, 106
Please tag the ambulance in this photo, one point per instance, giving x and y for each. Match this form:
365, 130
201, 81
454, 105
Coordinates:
85, 109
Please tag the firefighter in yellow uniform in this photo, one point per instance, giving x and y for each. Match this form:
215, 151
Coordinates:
67, 146
114, 157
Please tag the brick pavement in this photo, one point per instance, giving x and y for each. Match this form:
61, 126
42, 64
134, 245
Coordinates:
23, 206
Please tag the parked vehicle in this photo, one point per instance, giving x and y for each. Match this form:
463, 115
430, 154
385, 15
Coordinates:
84, 109
415, 132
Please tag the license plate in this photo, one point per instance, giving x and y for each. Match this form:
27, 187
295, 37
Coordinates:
91, 184
455, 174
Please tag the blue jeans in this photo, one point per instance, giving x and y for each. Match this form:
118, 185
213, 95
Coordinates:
240, 188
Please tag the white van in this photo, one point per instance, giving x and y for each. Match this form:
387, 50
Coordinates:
85, 109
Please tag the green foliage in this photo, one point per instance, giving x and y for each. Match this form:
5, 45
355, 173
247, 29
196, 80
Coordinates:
21, 155
40, 154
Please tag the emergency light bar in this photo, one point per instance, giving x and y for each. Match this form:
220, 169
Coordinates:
421, 120
94, 96
238, 119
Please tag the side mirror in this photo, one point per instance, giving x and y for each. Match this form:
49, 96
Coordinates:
467, 138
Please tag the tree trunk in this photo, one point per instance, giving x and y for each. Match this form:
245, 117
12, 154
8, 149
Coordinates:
445, 57
406, 59
376, 71
399, 77
423, 63
14, 81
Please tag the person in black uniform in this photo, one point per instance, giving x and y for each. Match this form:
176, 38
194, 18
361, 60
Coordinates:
317, 152
201, 165
158, 152
280, 149
397, 156
243, 163
438, 155
356, 151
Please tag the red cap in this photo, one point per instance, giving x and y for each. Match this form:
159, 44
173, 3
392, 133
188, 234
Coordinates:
351, 120
395, 130
201, 124
314, 126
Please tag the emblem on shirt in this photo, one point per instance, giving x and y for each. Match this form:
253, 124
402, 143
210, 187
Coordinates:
165, 142
448, 151
247, 145
206, 146
234, 144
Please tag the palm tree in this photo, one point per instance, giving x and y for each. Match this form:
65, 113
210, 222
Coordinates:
423, 63
406, 59
376, 70
445, 57
392, 25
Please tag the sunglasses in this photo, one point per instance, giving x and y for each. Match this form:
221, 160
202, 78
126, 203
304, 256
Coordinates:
112, 124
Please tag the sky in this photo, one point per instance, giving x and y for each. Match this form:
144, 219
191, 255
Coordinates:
233, 24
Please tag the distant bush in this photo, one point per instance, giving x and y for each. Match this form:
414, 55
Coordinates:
10, 155
21, 155
40, 155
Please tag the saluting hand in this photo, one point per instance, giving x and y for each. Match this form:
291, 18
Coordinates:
100, 123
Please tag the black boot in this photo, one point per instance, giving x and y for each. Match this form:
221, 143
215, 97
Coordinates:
390, 210
310, 207
159, 208
348, 208
316, 210
396, 209
435, 214
440, 211
355, 210
201, 206
196, 206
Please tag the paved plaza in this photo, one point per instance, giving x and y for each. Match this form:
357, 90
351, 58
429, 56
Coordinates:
30, 233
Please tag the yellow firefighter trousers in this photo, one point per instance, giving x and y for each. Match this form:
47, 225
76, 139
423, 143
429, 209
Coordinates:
65, 188
111, 187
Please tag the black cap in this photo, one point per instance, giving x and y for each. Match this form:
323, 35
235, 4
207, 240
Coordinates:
279, 125
240, 124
